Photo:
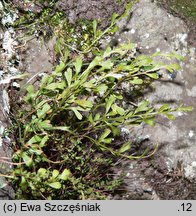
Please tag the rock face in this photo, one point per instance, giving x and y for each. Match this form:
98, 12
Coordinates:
153, 29
91, 9
171, 172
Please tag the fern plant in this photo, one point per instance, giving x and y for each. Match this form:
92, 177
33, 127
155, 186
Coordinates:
69, 126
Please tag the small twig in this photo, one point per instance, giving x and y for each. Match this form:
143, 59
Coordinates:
11, 163
17, 47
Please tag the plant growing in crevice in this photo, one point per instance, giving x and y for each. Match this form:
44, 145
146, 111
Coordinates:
69, 127
82, 36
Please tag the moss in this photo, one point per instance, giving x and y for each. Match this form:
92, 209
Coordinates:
185, 9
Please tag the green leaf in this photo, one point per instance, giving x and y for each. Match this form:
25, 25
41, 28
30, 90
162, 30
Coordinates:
143, 60
104, 134
107, 52
177, 56
117, 109
45, 125
34, 150
107, 140
165, 107
185, 108
153, 75
66, 53
45, 79
84, 103
137, 81
41, 113
55, 173
95, 28
28, 160
125, 147
142, 107
30, 89
113, 30
170, 116
23, 183
42, 172
60, 67
90, 84
61, 85
78, 114
114, 75
129, 114
40, 104
102, 88
52, 86
150, 121
68, 76
124, 48
109, 103
78, 64
55, 185
56, 86
172, 67
31, 94
43, 141
58, 46
95, 62
62, 128
106, 65
34, 139
90, 118
124, 67
114, 17
65, 174
148, 67
115, 130
169, 56
97, 117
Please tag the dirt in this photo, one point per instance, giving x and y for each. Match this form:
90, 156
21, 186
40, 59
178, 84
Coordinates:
168, 184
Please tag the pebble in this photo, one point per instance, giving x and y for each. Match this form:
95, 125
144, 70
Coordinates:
132, 31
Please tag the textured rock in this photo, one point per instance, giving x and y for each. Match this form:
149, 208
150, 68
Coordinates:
153, 29
91, 9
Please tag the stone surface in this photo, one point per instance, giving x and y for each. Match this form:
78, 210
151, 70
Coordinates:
91, 9
37, 58
153, 29
171, 172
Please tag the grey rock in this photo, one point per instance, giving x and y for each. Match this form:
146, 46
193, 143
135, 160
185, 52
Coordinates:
153, 29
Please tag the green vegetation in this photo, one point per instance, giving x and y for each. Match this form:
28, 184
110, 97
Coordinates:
69, 127
186, 9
